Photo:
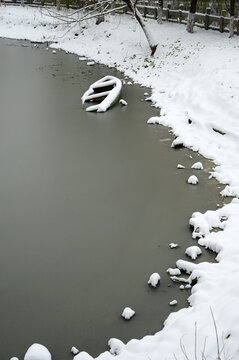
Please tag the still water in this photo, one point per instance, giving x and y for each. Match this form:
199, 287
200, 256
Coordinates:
89, 204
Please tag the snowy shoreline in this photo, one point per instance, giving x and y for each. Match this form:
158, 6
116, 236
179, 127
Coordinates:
185, 76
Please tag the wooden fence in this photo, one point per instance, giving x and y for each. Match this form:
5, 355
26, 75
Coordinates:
206, 20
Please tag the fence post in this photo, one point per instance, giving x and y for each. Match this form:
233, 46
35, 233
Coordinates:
180, 14
168, 11
145, 11
207, 22
221, 24
155, 13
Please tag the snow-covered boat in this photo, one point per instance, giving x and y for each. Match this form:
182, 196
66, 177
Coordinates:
106, 92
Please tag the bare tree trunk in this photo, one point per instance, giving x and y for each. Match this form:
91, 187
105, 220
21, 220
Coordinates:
191, 16
232, 16
139, 18
160, 12
22, 2
58, 5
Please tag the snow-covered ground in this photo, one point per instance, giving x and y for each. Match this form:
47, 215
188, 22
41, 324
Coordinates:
195, 81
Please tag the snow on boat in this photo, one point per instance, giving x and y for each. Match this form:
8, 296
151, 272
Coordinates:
105, 91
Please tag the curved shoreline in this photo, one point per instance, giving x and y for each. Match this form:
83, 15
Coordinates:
170, 96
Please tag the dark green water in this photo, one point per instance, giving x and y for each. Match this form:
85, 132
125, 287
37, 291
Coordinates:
88, 205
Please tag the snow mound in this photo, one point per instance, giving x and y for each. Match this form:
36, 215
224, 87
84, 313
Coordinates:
83, 356
123, 102
198, 166
193, 180
154, 120
179, 166
115, 346
186, 266
37, 352
174, 272
193, 252
173, 302
154, 279
173, 245
228, 191
128, 313
74, 350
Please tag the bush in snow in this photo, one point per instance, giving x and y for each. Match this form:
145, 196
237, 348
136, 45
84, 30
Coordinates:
193, 252
154, 279
128, 313
193, 180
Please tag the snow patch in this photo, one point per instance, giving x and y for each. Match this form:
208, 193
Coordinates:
173, 272
173, 245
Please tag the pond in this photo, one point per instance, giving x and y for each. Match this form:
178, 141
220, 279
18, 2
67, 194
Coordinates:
89, 205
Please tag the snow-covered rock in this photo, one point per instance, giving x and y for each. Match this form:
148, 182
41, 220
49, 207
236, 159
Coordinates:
154, 120
198, 166
123, 102
90, 63
179, 166
193, 252
37, 352
128, 313
174, 272
181, 287
154, 279
188, 286
81, 58
14, 358
74, 350
115, 346
173, 245
173, 302
193, 180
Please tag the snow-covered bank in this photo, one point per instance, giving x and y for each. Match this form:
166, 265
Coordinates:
186, 79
